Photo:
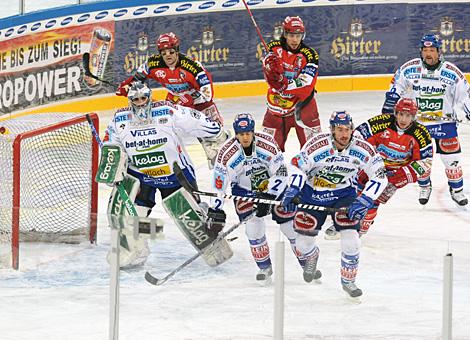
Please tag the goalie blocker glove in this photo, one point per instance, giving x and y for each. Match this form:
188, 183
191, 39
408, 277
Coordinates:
215, 221
113, 165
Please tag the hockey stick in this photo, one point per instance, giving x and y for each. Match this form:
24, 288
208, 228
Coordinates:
158, 282
86, 68
256, 26
443, 119
189, 187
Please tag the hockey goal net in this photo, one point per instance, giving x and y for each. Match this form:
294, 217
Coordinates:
48, 193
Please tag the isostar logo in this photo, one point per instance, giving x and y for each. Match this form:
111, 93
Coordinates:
428, 104
149, 159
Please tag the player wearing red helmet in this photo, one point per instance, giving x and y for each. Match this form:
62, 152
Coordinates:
441, 90
186, 80
406, 149
291, 70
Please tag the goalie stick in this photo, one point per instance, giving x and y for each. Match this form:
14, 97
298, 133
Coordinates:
189, 187
158, 282
86, 68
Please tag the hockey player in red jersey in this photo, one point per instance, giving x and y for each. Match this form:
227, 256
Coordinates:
406, 149
186, 80
291, 70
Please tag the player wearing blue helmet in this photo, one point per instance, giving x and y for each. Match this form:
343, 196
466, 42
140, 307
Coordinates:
439, 88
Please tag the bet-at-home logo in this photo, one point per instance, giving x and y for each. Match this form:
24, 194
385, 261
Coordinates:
353, 42
428, 104
149, 160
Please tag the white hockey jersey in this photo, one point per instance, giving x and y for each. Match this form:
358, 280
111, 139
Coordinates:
331, 174
264, 170
438, 93
154, 145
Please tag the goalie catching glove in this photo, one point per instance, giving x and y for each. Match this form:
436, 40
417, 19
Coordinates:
274, 72
212, 145
113, 165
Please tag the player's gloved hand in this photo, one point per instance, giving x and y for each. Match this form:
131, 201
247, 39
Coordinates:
185, 99
288, 199
272, 64
122, 90
358, 208
274, 72
263, 209
402, 176
215, 221
391, 98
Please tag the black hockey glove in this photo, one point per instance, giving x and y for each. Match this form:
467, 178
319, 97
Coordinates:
215, 221
263, 209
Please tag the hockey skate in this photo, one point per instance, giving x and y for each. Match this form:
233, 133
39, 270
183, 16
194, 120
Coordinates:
352, 290
424, 193
332, 234
264, 275
458, 197
310, 269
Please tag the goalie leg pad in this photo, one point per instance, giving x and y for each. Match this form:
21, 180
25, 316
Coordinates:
190, 219
113, 164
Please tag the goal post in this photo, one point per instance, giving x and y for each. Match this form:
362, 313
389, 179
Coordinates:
48, 163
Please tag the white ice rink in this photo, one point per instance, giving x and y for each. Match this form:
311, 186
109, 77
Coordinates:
62, 292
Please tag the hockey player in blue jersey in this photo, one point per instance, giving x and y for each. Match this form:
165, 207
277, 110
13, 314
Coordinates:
324, 173
252, 165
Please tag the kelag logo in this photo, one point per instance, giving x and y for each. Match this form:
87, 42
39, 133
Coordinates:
427, 104
149, 159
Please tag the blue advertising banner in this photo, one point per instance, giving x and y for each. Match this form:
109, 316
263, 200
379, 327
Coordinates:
350, 39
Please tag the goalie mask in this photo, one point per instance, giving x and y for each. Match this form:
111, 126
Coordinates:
139, 96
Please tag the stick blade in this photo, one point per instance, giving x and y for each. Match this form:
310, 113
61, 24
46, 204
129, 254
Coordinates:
151, 279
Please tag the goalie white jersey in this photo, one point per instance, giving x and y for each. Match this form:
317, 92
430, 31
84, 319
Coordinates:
264, 170
154, 144
438, 93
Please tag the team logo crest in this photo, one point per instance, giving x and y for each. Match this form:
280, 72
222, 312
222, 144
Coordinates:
277, 31
356, 29
143, 42
447, 27
207, 36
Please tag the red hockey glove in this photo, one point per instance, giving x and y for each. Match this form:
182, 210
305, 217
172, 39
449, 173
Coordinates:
274, 72
123, 88
402, 177
185, 99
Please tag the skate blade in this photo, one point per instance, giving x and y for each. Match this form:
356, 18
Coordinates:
265, 282
355, 300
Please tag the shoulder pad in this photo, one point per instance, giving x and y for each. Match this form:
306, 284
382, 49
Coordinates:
420, 133
415, 61
380, 123
155, 61
273, 43
122, 115
228, 149
190, 65
364, 145
309, 53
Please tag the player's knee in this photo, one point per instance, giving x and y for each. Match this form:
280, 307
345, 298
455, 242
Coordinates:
304, 243
350, 242
255, 228
287, 228
306, 223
